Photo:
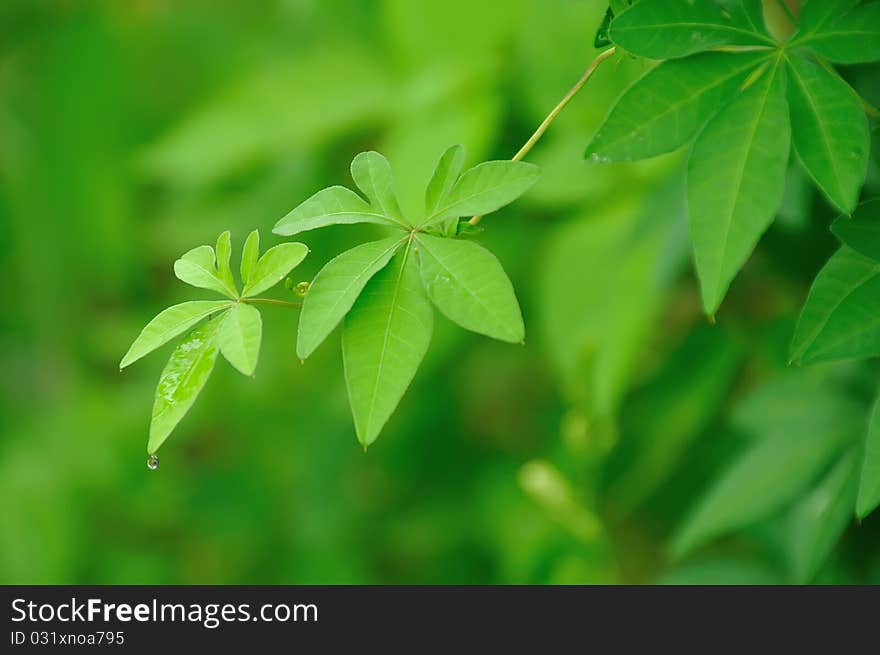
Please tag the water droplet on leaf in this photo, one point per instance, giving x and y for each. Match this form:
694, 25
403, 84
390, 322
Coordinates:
152, 462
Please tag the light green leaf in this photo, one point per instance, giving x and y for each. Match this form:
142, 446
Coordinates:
818, 519
250, 254
817, 15
274, 265
184, 376
485, 188
469, 286
168, 324
444, 178
660, 29
869, 482
384, 338
239, 337
841, 317
853, 38
766, 477
829, 131
198, 267
335, 289
372, 174
861, 231
736, 178
224, 254
666, 108
335, 205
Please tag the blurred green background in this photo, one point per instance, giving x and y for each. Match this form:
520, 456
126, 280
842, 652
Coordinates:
133, 131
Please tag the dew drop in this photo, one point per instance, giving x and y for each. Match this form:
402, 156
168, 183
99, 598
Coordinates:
302, 289
152, 462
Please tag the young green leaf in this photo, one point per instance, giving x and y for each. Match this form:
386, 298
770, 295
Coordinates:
869, 482
275, 263
224, 254
861, 231
184, 376
485, 188
239, 337
198, 267
841, 317
829, 131
250, 254
667, 107
372, 174
168, 324
765, 478
384, 338
660, 29
444, 178
335, 205
469, 286
852, 38
736, 177
817, 520
335, 289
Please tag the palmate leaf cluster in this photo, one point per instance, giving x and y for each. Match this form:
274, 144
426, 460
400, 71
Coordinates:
231, 327
382, 291
742, 101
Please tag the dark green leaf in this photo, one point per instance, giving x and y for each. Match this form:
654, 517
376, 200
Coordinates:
841, 317
829, 131
861, 231
869, 482
853, 38
736, 178
668, 106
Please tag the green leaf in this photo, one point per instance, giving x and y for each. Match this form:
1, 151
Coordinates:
250, 254
817, 15
818, 519
753, 12
660, 29
184, 376
444, 178
736, 178
198, 267
667, 107
869, 482
841, 317
335, 289
239, 337
861, 231
469, 286
853, 38
168, 324
372, 174
335, 205
766, 477
384, 338
485, 188
273, 266
224, 254
829, 131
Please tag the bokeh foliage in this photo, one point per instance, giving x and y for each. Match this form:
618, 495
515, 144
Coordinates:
131, 132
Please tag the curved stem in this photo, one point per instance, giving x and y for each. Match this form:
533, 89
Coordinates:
528, 145
271, 301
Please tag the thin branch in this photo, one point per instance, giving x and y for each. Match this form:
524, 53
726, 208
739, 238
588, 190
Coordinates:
602, 56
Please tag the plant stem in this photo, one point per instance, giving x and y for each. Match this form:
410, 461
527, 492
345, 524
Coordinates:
271, 301
528, 145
